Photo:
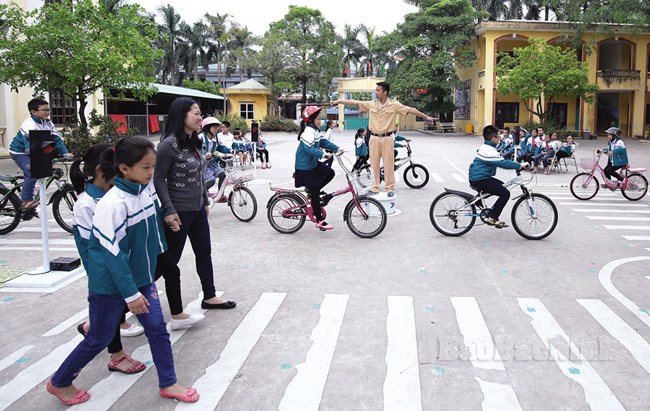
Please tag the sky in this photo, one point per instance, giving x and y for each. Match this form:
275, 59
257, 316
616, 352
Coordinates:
383, 15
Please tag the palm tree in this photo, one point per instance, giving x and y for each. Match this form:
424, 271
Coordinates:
194, 50
368, 52
217, 37
240, 41
171, 31
352, 47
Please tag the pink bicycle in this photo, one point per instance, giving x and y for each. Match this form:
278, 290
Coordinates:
585, 185
288, 209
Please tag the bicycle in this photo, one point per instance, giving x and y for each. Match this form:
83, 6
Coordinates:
415, 175
241, 199
534, 216
585, 185
288, 209
62, 200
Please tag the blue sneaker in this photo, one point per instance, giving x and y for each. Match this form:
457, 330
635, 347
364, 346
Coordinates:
391, 194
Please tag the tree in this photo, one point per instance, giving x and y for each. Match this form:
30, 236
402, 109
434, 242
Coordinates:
542, 72
201, 85
432, 43
352, 48
314, 39
78, 47
193, 50
217, 38
170, 32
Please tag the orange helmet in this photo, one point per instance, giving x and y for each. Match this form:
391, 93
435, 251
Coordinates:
309, 111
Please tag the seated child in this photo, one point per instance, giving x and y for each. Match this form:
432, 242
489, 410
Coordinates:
239, 146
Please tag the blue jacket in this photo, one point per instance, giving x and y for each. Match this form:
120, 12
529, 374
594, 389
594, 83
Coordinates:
309, 148
360, 146
487, 161
617, 147
82, 219
20, 143
126, 239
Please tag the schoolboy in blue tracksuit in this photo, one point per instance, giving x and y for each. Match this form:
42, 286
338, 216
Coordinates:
484, 167
617, 158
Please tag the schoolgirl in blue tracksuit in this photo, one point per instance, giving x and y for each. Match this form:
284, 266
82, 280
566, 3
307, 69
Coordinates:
309, 172
617, 155
484, 167
360, 149
125, 241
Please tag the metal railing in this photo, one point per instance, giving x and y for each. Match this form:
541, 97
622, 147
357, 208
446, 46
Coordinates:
619, 74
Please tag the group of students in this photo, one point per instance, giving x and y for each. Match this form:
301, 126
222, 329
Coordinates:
535, 147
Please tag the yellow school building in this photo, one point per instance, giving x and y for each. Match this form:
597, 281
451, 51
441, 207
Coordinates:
618, 64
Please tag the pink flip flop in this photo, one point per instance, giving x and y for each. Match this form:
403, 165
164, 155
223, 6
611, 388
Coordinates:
191, 395
79, 397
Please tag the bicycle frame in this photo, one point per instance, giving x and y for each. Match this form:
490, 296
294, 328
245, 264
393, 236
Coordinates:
405, 160
597, 166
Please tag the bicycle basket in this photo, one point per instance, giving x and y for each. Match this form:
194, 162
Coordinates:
239, 174
587, 163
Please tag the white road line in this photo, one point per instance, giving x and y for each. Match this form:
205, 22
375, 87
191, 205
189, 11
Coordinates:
628, 227
218, 376
110, 389
305, 390
591, 201
576, 203
57, 241
605, 278
619, 211
636, 237
33, 375
597, 394
75, 319
459, 178
615, 218
402, 382
476, 334
620, 330
437, 178
38, 230
14, 356
461, 171
498, 397
70, 249
568, 193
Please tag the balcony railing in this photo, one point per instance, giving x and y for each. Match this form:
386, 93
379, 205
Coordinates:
619, 74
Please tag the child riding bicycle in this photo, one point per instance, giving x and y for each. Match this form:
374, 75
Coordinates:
617, 158
484, 167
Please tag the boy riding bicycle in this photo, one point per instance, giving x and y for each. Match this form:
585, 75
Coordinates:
484, 167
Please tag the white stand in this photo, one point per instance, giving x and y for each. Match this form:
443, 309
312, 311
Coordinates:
389, 203
44, 234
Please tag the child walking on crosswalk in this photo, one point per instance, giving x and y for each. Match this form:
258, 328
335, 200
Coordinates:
126, 238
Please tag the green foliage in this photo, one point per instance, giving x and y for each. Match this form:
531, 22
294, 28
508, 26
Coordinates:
543, 72
79, 137
431, 42
275, 123
201, 85
77, 46
235, 122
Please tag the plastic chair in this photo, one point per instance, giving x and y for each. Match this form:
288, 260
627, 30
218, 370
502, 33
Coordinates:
572, 158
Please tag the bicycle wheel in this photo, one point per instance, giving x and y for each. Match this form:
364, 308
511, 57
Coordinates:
637, 187
9, 211
541, 224
243, 204
584, 186
281, 202
451, 215
369, 225
416, 176
62, 206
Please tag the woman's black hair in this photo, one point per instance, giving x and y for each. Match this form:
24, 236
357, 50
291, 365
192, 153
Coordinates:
175, 124
130, 150
91, 159
310, 121
359, 131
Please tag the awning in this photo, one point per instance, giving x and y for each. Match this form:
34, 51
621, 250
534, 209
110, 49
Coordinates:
182, 91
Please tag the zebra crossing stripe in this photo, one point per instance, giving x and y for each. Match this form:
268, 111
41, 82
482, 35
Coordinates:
14, 356
55, 241
38, 230
33, 375
69, 249
597, 394
501, 397
437, 178
620, 330
459, 178
628, 227
613, 218
591, 200
305, 390
476, 334
576, 203
218, 376
67, 323
617, 211
402, 382
636, 237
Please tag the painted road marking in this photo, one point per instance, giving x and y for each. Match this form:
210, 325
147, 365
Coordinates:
38, 230
575, 203
218, 376
458, 177
14, 356
476, 334
70, 249
402, 382
619, 211
614, 218
605, 278
636, 237
437, 178
498, 397
628, 227
305, 390
597, 393
620, 330
57, 241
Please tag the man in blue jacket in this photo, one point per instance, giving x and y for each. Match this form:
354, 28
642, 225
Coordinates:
483, 169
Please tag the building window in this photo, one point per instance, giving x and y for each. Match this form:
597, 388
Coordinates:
246, 111
63, 111
559, 115
506, 113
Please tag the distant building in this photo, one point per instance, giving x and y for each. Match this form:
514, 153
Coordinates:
249, 100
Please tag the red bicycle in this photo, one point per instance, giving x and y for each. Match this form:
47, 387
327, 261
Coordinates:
585, 185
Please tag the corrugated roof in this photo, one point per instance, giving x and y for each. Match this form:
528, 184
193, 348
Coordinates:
249, 84
182, 91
